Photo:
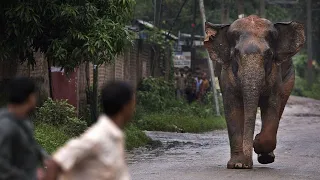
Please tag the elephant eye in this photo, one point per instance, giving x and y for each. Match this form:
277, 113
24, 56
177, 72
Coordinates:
268, 53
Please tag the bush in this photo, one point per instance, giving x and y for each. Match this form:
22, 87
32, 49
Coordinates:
301, 89
50, 137
159, 110
61, 114
135, 137
74, 126
300, 64
155, 94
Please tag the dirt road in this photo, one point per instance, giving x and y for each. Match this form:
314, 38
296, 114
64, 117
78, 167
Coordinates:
204, 156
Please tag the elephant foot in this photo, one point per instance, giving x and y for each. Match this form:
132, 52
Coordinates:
264, 144
266, 158
240, 162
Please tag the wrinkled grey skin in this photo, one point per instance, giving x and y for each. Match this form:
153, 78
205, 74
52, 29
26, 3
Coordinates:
252, 58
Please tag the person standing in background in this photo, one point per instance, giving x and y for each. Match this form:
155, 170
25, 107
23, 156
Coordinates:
190, 87
181, 84
198, 80
99, 153
20, 154
204, 86
176, 77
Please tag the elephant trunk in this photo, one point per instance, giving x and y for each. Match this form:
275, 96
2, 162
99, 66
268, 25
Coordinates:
252, 81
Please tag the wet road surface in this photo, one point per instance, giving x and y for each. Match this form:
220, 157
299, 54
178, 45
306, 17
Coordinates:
204, 156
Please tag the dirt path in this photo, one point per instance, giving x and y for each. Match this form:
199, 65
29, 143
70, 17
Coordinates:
204, 156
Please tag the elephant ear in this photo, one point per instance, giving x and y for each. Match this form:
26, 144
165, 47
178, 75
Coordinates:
216, 42
291, 38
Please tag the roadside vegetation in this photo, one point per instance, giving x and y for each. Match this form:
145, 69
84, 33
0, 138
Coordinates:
301, 85
157, 110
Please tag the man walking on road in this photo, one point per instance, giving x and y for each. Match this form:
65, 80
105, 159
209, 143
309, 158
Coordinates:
20, 155
98, 154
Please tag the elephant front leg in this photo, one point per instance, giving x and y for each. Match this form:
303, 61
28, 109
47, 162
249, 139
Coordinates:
235, 118
265, 142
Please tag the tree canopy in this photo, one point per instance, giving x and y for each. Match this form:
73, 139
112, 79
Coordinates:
68, 32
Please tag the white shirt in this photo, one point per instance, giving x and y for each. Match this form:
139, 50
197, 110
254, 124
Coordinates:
98, 154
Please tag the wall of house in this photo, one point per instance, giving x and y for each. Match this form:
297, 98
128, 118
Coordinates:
39, 72
131, 66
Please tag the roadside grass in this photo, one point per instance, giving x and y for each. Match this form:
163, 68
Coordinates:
180, 123
51, 137
301, 88
135, 137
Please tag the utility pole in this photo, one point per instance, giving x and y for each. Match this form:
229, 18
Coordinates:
210, 64
225, 11
309, 41
193, 49
263, 8
157, 13
240, 6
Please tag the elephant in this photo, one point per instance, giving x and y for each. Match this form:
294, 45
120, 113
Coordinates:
252, 59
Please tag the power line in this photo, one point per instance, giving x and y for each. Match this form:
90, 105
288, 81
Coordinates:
174, 22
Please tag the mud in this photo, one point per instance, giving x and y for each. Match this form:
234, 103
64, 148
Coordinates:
204, 156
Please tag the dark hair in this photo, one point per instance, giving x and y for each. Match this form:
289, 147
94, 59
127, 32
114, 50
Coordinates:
19, 90
114, 96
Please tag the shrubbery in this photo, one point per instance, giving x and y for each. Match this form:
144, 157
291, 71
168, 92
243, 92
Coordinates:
61, 114
301, 87
135, 137
159, 110
56, 122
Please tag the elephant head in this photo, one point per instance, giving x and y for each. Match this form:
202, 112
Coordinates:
253, 42
253, 49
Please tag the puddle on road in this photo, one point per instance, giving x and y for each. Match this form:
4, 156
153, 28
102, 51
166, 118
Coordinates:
182, 146
176, 145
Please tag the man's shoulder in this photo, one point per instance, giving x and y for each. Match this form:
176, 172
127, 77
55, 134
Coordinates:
7, 124
102, 130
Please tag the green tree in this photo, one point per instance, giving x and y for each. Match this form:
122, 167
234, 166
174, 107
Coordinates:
68, 32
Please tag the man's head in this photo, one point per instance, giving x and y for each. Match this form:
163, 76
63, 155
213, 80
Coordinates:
118, 100
176, 70
204, 76
22, 93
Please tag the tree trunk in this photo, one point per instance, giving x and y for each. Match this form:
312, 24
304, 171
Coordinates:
216, 102
240, 6
225, 11
50, 79
193, 49
262, 8
94, 101
168, 63
309, 41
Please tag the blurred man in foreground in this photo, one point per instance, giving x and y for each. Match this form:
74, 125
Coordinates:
20, 155
98, 154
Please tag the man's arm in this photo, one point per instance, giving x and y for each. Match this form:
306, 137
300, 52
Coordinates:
69, 155
7, 170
